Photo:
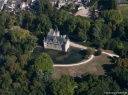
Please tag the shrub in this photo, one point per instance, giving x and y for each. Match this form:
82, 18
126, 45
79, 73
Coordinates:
99, 52
89, 51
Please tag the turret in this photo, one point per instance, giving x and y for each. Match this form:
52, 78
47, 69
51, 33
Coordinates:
67, 44
44, 41
57, 32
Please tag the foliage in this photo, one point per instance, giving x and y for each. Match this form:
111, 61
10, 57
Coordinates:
63, 86
59, 18
2, 27
10, 22
112, 4
70, 7
93, 85
26, 20
24, 76
18, 41
99, 52
122, 62
78, 26
122, 29
123, 53
112, 16
90, 51
43, 62
114, 44
43, 23
92, 2
120, 75
108, 4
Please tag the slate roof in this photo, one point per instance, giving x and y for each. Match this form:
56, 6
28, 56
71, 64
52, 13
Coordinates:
55, 39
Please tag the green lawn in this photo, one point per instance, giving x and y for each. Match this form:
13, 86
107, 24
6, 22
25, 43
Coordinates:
87, 43
73, 55
99, 65
124, 10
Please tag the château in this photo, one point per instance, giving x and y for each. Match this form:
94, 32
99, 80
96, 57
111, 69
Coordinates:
56, 41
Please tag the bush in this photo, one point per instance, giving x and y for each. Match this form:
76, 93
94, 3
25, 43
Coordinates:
89, 51
86, 56
99, 52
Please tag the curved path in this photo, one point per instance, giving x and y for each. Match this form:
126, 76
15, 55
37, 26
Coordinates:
75, 64
110, 54
77, 45
84, 47
84, 62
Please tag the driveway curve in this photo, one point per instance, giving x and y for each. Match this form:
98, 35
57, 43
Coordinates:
83, 62
75, 64
84, 47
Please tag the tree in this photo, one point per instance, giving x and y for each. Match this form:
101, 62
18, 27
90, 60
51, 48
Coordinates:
82, 88
45, 77
99, 52
112, 16
63, 86
24, 38
11, 21
112, 4
60, 17
72, 23
5, 81
122, 30
23, 60
94, 85
42, 6
108, 4
96, 33
112, 44
26, 19
82, 35
2, 27
42, 23
82, 28
89, 51
106, 32
123, 53
120, 75
78, 27
121, 62
37, 88
43, 62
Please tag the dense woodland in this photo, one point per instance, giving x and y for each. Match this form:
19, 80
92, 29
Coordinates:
22, 75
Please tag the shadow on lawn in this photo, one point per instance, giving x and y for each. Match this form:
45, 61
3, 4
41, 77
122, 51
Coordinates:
107, 67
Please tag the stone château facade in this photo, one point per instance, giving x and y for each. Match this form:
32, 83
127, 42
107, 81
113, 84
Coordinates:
56, 41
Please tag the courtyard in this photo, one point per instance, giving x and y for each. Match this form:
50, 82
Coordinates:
83, 12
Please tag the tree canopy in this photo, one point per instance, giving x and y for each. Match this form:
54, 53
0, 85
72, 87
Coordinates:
43, 62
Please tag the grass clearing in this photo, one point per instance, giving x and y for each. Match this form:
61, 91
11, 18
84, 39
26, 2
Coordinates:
73, 55
123, 8
99, 65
